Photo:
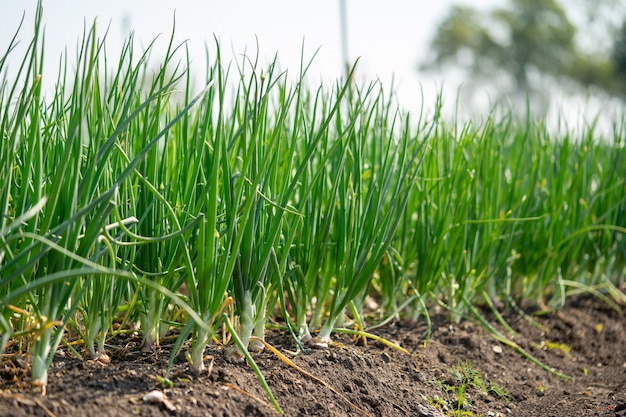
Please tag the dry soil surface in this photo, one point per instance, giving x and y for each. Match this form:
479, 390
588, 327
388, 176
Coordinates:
585, 340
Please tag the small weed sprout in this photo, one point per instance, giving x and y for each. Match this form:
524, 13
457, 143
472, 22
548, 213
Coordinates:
458, 389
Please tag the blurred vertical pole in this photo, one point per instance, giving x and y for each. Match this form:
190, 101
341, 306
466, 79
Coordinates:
343, 22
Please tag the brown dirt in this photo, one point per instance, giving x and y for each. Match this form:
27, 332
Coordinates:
379, 380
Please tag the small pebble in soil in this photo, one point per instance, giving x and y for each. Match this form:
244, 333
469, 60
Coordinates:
157, 397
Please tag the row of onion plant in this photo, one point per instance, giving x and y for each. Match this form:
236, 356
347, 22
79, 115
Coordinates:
131, 204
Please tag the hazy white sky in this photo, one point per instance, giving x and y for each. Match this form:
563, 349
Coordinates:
390, 39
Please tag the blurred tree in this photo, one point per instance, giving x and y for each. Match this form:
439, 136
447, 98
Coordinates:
619, 52
533, 36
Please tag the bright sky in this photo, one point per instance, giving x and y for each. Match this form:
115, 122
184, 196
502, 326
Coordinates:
389, 40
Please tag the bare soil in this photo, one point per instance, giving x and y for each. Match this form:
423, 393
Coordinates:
585, 340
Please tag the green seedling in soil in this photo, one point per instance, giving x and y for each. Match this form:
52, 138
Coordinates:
258, 198
463, 382
317, 192
371, 193
315, 251
161, 251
